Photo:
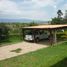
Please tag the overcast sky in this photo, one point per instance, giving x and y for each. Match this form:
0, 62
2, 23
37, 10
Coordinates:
33, 9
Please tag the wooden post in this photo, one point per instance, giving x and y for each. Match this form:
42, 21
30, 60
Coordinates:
54, 37
51, 37
23, 34
34, 36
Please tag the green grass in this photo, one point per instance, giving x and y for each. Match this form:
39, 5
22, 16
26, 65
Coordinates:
15, 38
12, 39
55, 56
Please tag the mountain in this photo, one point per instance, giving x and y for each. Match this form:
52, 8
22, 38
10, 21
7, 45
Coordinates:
23, 20
15, 20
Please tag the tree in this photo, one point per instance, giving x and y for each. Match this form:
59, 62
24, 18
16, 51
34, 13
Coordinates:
58, 19
33, 24
65, 17
59, 12
64, 21
4, 32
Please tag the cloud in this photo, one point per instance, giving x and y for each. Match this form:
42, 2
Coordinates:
38, 3
8, 7
27, 8
43, 2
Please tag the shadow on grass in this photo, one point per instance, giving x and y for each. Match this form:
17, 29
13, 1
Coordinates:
62, 63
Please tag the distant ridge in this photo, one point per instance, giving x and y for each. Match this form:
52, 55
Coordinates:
15, 20
23, 20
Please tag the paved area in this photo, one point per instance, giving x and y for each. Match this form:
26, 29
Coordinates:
5, 51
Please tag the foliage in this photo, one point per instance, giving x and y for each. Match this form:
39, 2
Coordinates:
59, 12
32, 24
64, 21
12, 32
4, 32
57, 21
15, 28
12, 39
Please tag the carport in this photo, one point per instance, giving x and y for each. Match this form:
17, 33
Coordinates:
51, 28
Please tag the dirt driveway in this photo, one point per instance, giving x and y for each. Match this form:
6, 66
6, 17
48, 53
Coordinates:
5, 51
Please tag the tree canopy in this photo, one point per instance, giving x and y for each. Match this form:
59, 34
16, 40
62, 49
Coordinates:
58, 19
59, 13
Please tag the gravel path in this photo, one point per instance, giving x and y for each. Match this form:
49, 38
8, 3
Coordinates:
5, 51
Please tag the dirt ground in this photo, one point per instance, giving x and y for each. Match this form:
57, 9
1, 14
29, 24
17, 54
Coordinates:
26, 47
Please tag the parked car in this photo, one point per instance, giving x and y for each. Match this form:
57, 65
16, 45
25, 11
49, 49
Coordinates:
39, 35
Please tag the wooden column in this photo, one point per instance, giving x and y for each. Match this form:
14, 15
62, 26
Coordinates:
34, 35
54, 37
51, 37
23, 34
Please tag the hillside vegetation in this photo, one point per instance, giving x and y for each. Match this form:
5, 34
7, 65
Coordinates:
12, 32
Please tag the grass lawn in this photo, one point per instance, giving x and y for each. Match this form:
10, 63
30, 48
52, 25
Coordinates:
15, 38
55, 56
12, 39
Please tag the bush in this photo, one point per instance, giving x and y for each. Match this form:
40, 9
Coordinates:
4, 33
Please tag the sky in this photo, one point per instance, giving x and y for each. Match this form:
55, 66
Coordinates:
31, 9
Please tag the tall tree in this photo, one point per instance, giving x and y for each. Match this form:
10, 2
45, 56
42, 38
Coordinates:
58, 19
59, 12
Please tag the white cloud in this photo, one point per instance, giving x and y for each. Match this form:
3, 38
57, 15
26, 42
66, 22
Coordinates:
26, 8
39, 3
11, 10
43, 2
8, 7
